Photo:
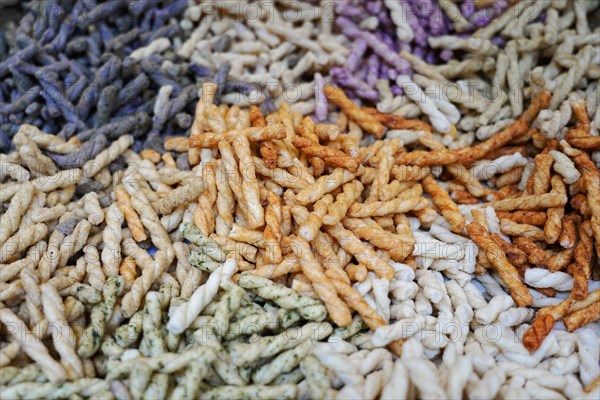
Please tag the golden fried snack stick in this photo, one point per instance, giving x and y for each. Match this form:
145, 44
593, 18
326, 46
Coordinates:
467, 155
393, 121
591, 178
356, 302
542, 173
583, 258
543, 323
330, 155
337, 309
354, 112
553, 225
535, 254
583, 317
532, 202
536, 218
508, 273
447, 206
580, 135
254, 134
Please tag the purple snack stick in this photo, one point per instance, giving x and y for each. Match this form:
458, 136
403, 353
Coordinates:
359, 47
484, 16
411, 17
321, 109
437, 23
467, 8
446, 55
396, 90
372, 70
361, 88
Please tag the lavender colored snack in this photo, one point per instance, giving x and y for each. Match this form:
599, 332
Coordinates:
425, 18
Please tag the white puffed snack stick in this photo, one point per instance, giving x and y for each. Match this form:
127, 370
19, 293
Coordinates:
184, 314
542, 278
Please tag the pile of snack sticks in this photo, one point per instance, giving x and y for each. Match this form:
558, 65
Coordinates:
299, 259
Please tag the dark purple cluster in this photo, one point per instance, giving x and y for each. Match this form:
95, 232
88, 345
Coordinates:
66, 70
374, 53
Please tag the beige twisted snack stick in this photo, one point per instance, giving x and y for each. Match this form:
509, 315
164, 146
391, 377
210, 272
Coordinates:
8, 353
107, 156
325, 184
21, 240
338, 209
147, 170
111, 253
34, 348
160, 237
10, 220
182, 195
61, 179
311, 226
74, 242
93, 267
49, 142
62, 334
182, 317
31, 260
14, 171
30, 283
31, 155
92, 208
406, 201
338, 310
150, 272
61, 196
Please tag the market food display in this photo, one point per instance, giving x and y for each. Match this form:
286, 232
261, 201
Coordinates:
316, 200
